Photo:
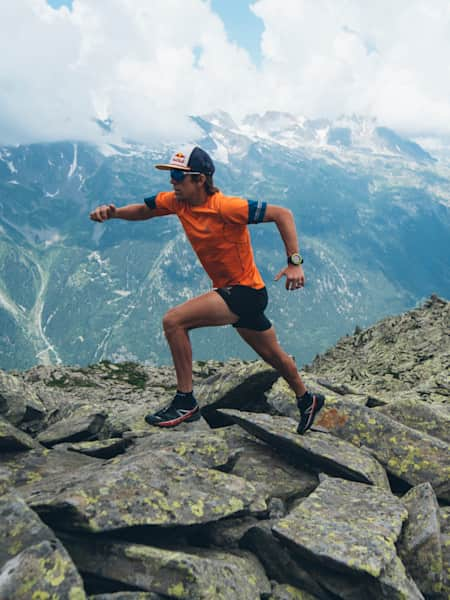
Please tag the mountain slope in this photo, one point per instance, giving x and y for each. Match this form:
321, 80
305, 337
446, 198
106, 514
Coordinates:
374, 228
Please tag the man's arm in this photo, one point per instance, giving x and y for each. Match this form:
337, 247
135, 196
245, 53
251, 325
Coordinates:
131, 212
284, 220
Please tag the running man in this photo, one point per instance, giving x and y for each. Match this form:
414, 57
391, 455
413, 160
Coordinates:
216, 226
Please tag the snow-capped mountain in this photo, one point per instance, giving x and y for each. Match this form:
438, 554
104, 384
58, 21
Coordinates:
372, 209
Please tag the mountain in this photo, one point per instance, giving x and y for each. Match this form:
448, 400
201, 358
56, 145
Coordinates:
372, 209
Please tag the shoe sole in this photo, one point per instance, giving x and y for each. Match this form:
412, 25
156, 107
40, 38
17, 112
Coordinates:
193, 415
315, 408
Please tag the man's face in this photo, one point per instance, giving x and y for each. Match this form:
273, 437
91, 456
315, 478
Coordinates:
188, 190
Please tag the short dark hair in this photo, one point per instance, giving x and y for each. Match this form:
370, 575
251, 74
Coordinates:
210, 188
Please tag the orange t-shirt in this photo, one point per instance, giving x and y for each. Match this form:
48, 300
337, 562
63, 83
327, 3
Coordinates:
219, 234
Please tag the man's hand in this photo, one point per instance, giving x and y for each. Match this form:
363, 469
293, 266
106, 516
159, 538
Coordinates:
103, 213
295, 277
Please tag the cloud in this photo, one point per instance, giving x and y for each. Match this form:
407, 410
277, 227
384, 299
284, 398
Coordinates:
151, 65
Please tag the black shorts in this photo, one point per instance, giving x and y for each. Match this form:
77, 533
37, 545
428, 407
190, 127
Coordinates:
248, 304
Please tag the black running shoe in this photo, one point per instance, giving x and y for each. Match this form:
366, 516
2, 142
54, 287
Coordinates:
309, 406
174, 414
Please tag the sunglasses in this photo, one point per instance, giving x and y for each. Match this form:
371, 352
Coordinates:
179, 176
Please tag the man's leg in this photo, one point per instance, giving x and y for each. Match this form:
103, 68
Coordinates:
207, 310
265, 343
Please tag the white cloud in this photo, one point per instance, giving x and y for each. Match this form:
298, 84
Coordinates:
151, 64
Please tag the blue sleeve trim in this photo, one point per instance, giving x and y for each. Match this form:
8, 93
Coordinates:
150, 202
256, 211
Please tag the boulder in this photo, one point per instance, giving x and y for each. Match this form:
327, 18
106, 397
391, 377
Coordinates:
33, 562
16, 397
288, 592
315, 449
406, 453
74, 429
273, 474
35, 465
205, 447
189, 573
12, 438
331, 525
420, 543
99, 448
237, 385
425, 417
146, 489
43, 570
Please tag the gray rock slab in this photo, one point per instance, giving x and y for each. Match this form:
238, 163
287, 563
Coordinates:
150, 489
445, 546
20, 527
271, 473
395, 583
74, 429
420, 542
197, 573
12, 438
410, 455
99, 448
44, 570
127, 596
204, 448
14, 396
29, 467
238, 384
420, 415
280, 564
322, 450
228, 533
346, 525
288, 592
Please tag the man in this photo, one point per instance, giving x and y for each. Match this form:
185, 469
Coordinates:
216, 226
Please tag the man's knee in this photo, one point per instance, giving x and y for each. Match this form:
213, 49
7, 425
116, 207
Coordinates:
170, 321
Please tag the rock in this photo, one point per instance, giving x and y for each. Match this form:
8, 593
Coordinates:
401, 355
445, 547
20, 527
269, 471
158, 489
127, 596
236, 385
15, 397
228, 533
420, 543
44, 570
314, 449
205, 448
38, 464
191, 573
99, 448
411, 456
12, 438
331, 525
425, 417
279, 563
33, 562
74, 429
288, 592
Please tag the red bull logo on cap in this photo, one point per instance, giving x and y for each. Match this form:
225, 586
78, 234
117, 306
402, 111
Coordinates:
179, 159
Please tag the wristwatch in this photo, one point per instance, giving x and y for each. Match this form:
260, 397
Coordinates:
295, 259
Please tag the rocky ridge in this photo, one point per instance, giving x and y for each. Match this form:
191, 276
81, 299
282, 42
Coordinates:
96, 504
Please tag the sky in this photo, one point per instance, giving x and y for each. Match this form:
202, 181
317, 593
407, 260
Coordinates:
149, 64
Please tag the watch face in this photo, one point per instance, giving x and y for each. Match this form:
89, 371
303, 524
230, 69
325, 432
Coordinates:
295, 259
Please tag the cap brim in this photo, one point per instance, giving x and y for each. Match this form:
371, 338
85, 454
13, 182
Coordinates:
170, 167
